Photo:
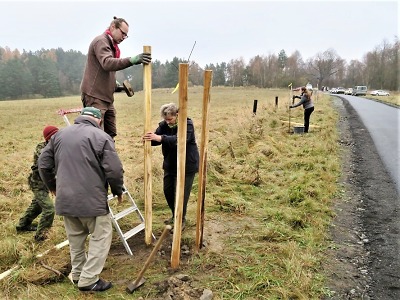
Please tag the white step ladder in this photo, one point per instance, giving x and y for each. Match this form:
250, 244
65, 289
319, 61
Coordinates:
118, 215
115, 213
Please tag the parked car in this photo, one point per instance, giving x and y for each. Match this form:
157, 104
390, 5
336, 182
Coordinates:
359, 90
340, 90
333, 91
349, 91
379, 93
118, 87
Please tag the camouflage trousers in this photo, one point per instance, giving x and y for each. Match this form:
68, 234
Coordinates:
41, 204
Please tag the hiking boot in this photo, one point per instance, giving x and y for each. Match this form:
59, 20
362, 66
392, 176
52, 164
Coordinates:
25, 228
182, 227
99, 286
40, 237
183, 224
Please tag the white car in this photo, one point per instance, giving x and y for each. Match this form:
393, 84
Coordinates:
379, 93
349, 91
340, 90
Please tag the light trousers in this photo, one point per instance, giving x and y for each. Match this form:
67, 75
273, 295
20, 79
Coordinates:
86, 267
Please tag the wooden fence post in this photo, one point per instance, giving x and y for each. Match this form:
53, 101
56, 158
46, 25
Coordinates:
180, 175
147, 151
203, 160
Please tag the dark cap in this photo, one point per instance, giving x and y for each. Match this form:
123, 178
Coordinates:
91, 111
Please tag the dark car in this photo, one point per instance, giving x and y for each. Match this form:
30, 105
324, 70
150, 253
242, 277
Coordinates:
118, 87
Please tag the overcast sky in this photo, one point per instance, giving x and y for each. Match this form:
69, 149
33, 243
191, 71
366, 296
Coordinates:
222, 30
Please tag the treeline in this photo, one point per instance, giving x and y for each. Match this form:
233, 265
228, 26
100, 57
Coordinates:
55, 72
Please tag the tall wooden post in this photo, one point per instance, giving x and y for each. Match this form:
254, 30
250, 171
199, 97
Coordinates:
203, 160
180, 175
147, 151
290, 99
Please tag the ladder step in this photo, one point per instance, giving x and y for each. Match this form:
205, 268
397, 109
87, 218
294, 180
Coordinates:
133, 231
111, 196
125, 212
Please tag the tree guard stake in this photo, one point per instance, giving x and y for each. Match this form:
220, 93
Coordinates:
147, 150
203, 160
180, 175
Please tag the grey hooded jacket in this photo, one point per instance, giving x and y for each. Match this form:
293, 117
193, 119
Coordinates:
85, 163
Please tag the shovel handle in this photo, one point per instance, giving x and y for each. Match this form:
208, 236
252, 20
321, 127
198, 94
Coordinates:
131, 287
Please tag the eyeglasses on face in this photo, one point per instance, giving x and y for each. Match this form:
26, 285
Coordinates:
124, 34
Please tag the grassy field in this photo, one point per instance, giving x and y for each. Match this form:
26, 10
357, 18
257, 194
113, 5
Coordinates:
268, 198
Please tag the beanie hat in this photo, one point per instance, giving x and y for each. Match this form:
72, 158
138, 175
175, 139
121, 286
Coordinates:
91, 111
48, 131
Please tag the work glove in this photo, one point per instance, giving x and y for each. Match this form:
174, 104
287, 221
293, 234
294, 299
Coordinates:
144, 58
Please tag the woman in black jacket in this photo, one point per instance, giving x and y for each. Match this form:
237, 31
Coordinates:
166, 136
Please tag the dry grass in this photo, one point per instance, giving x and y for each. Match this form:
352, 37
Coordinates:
268, 202
393, 99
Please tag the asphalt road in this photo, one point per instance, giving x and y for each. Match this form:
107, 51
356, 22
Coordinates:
382, 122
367, 226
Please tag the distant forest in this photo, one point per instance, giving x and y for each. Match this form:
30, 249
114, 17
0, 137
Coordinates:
55, 72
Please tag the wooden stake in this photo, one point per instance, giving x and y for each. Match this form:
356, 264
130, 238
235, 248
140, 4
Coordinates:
203, 161
180, 176
147, 151
139, 280
58, 246
290, 99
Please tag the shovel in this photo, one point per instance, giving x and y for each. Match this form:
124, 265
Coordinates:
140, 280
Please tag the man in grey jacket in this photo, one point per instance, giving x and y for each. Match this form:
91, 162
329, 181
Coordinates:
85, 163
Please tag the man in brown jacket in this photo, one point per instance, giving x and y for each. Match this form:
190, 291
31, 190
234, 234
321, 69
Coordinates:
99, 80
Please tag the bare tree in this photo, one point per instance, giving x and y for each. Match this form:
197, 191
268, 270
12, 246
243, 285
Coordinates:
294, 68
324, 65
255, 72
236, 72
382, 66
271, 70
355, 74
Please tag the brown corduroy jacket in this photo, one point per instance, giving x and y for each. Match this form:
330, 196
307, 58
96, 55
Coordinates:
99, 80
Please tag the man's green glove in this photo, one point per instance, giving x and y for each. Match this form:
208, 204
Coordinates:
144, 58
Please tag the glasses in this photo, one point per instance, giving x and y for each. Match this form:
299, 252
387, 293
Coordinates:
124, 34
